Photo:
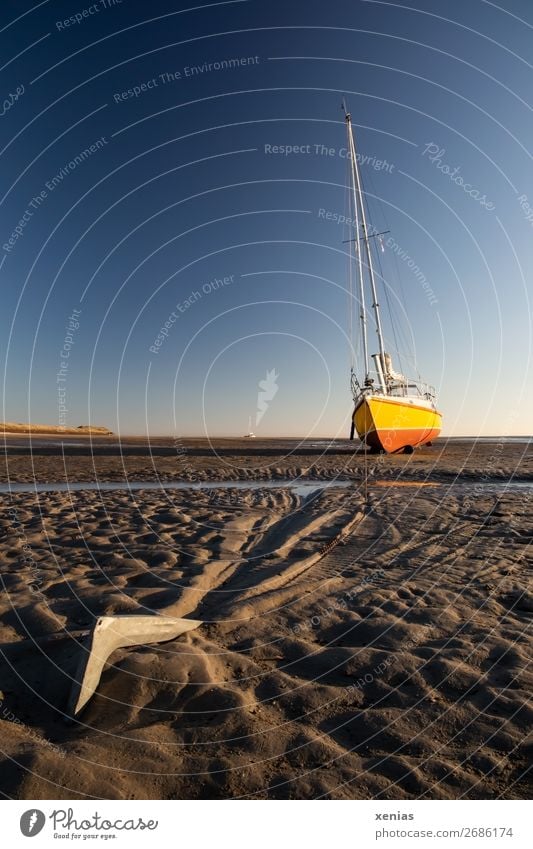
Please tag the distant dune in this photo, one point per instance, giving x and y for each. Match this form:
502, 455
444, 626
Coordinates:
19, 427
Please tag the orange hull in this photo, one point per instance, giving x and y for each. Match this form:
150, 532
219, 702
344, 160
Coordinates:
393, 440
391, 425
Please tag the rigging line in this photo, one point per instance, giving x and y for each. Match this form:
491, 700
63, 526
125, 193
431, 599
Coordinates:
408, 336
407, 347
392, 317
381, 208
358, 309
359, 210
397, 275
366, 226
360, 239
369, 233
348, 210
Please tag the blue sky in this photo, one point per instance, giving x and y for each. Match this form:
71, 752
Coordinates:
198, 251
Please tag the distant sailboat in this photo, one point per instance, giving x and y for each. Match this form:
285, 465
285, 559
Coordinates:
392, 413
250, 434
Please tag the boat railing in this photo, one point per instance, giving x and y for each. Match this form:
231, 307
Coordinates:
412, 388
408, 388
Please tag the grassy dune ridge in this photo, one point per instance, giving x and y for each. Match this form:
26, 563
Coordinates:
20, 427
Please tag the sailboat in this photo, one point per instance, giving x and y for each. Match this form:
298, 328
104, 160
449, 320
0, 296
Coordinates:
250, 434
392, 413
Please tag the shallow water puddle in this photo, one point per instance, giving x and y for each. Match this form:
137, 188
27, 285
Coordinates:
301, 488
402, 483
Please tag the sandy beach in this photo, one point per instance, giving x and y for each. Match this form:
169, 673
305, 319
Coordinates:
392, 665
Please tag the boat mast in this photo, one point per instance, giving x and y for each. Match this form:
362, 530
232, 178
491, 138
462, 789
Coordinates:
365, 240
362, 313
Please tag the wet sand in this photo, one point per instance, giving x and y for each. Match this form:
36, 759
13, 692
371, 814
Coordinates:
108, 459
393, 666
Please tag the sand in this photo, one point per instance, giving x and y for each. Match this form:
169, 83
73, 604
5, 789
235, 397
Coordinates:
393, 665
106, 458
